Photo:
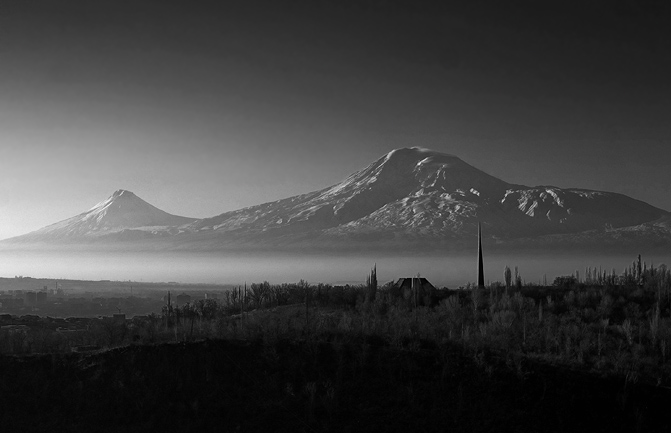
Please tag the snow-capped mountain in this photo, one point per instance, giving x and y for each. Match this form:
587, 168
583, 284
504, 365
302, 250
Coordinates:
122, 213
416, 194
408, 198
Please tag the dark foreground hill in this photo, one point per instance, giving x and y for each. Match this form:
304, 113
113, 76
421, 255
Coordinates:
314, 386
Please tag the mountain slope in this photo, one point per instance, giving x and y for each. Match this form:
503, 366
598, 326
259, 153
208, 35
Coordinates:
431, 197
392, 178
121, 212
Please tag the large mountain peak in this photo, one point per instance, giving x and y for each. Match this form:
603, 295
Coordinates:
410, 155
408, 170
420, 193
406, 160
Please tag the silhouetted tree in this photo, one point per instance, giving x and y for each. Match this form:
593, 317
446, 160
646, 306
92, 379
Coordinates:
371, 285
518, 279
507, 276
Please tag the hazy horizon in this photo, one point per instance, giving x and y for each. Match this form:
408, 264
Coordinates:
451, 270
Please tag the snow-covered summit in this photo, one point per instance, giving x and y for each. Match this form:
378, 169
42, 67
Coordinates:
119, 196
125, 209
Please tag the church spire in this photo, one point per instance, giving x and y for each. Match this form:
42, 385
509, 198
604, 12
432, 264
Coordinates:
481, 270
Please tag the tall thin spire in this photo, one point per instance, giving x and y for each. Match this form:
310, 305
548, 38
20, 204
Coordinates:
481, 269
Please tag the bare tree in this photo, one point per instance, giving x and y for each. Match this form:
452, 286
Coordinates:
507, 276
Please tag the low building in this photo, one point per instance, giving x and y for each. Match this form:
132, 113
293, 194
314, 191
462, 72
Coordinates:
421, 286
183, 299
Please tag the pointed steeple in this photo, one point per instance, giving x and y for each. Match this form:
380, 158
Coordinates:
481, 269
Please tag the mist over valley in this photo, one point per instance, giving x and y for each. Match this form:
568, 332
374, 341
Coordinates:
411, 211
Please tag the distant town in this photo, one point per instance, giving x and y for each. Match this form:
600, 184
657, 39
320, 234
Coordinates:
21, 296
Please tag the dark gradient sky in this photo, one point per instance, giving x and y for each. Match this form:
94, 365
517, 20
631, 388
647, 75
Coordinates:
201, 108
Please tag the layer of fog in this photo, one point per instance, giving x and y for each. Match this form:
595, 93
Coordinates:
449, 270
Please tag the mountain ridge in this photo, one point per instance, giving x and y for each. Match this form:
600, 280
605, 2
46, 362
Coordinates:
409, 196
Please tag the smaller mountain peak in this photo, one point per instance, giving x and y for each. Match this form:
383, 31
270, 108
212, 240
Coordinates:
122, 194
119, 196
